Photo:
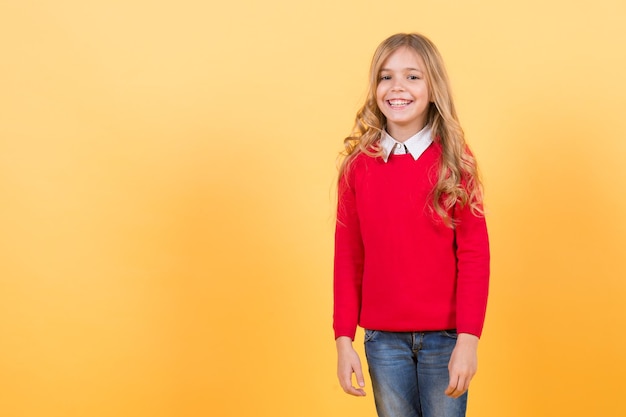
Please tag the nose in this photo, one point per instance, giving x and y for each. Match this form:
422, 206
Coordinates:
397, 85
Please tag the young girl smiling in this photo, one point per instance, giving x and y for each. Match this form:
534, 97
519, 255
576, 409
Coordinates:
411, 244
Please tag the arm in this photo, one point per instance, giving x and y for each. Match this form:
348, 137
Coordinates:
348, 362
472, 286
348, 263
348, 274
472, 252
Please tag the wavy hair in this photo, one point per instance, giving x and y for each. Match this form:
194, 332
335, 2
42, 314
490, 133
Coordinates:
458, 181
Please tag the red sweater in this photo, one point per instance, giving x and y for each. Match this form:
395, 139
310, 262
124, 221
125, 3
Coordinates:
397, 266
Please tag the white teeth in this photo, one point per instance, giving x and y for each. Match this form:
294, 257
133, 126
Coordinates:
399, 102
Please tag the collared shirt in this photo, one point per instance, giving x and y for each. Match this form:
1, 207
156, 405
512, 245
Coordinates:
415, 145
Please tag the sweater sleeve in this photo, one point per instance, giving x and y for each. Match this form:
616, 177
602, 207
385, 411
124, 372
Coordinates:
348, 265
472, 253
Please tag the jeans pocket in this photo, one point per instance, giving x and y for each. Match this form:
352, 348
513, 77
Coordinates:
451, 333
369, 335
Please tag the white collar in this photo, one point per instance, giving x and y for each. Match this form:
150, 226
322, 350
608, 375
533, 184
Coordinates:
416, 144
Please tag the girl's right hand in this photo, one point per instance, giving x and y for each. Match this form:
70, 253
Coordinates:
348, 362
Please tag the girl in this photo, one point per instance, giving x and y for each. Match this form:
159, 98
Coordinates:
411, 246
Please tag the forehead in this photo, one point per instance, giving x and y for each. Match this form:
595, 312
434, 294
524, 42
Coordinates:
403, 58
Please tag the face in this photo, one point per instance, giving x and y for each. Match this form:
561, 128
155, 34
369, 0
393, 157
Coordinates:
402, 94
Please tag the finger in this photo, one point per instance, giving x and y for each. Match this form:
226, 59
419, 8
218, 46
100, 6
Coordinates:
349, 389
465, 384
464, 381
458, 389
358, 372
345, 380
455, 389
357, 392
454, 392
452, 385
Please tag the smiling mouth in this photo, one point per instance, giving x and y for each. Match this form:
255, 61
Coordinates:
394, 104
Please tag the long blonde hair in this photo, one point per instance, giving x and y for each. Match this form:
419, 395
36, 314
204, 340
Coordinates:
458, 181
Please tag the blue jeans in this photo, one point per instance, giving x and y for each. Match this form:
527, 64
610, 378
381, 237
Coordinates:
409, 373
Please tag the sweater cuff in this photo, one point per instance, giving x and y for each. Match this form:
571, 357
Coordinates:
345, 332
470, 330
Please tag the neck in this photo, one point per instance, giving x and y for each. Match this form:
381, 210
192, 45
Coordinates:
402, 133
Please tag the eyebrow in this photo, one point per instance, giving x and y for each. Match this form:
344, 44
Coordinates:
409, 69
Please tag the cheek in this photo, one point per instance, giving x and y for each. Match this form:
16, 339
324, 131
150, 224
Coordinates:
379, 93
379, 103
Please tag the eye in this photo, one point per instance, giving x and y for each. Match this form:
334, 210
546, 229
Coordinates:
413, 77
385, 77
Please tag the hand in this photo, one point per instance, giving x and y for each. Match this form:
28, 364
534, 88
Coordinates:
463, 364
348, 362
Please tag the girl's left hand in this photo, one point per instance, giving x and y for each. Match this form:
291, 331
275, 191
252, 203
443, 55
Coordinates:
463, 364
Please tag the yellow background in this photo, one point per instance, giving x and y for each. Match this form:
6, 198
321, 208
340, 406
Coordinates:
167, 191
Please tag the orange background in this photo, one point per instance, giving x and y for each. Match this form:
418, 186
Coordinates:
167, 192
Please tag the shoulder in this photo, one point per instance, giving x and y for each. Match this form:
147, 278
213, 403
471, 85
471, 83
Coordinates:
362, 159
436, 147
357, 167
